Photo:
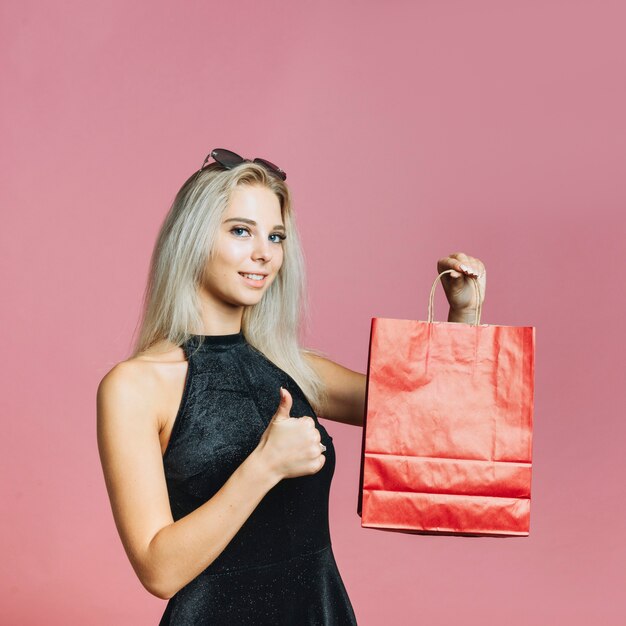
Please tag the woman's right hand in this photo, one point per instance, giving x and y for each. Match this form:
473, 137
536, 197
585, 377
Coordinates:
290, 446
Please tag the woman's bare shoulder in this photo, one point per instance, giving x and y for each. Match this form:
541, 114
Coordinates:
147, 370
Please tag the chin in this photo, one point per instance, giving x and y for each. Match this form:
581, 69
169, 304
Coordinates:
250, 299
255, 296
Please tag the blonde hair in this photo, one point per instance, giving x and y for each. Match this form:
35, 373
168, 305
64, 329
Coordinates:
171, 307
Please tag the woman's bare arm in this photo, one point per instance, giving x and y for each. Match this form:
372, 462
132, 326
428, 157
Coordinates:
165, 555
345, 387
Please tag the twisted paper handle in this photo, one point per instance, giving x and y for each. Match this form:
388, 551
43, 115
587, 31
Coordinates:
432, 297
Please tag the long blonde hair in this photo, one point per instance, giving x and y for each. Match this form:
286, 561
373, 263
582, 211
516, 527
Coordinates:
171, 307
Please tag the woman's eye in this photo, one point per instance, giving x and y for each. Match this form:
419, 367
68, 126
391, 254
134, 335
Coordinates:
236, 230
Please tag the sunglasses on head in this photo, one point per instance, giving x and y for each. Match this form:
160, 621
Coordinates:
229, 160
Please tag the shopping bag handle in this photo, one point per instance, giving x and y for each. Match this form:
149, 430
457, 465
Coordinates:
432, 297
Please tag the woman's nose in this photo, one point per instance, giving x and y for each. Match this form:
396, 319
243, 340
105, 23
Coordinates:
262, 249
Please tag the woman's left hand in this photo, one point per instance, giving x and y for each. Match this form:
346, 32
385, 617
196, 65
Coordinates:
460, 291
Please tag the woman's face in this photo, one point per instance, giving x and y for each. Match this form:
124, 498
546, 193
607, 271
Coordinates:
249, 242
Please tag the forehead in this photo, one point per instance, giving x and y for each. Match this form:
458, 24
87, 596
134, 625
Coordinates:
257, 201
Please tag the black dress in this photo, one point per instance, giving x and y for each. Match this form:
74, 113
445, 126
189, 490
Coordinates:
279, 568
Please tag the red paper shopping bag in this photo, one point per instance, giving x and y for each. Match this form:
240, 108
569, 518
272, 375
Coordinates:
447, 436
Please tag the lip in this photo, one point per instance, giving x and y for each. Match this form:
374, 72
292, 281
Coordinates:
254, 283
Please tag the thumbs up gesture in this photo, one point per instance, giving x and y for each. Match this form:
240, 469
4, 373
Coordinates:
290, 446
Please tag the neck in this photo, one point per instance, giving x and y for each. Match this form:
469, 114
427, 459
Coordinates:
219, 317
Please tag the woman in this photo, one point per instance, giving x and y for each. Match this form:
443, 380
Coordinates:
217, 468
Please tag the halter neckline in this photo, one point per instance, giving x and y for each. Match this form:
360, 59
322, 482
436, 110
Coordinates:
214, 341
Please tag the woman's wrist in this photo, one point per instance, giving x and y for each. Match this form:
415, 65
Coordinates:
259, 466
462, 316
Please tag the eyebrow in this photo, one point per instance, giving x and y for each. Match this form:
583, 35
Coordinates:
252, 222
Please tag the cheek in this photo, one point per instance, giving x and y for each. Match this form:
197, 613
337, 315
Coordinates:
230, 256
280, 258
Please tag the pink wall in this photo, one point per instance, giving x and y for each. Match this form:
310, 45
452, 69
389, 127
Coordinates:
409, 130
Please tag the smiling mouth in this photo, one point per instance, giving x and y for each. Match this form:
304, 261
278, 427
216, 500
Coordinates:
255, 279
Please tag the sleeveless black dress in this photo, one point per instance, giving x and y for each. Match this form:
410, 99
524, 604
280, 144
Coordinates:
279, 568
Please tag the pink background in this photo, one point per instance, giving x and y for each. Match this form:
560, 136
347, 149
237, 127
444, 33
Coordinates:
409, 130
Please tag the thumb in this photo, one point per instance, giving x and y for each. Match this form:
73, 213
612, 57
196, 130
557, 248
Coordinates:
286, 401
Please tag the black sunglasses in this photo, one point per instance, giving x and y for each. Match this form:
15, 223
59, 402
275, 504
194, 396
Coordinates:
229, 160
